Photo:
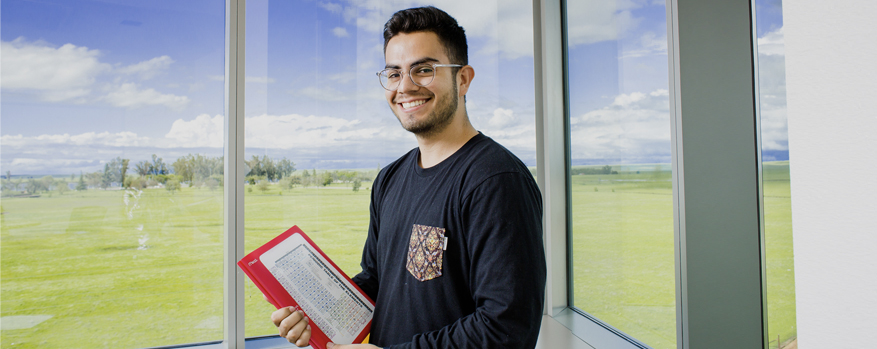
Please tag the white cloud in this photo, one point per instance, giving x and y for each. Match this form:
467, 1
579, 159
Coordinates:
327, 94
507, 25
203, 131
340, 32
772, 91
592, 21
331, 6
345, 77
57, 165
129, 95
58, 74
295, 131
502, 118
647, 44
772, 43
120, 139
258, 79
634, 127
71, 73
147, 69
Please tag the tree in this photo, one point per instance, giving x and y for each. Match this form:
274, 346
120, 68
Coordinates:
33, 186
138, 183
81, 185
357, 184
94, 179
158, 166
124, 171
255, 165
172, 185
8, 185
263, 186
107, 177
291, 181
183, 167
285, 168
61, 186
327, 178
268, 168
46, 182
211, 184
143, 168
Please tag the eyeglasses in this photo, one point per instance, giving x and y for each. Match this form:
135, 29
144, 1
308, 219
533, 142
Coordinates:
420, 75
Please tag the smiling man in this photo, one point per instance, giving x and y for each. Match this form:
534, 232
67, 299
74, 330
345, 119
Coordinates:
453, 257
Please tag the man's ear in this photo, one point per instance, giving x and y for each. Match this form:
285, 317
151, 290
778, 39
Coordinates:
464, 79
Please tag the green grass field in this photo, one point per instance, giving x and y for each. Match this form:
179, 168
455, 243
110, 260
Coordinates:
623, 255
90, 269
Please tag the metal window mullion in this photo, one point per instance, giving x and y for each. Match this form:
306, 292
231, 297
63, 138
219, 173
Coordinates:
716, 174
759, 161
677, 175
551, 148
233, 190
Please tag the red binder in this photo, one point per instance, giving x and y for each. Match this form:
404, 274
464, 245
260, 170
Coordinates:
291, 270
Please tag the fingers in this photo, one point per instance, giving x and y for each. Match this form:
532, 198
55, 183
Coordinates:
305, 337
278, 315
300, 333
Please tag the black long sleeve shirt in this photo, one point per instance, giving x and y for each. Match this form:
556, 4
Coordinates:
454, 256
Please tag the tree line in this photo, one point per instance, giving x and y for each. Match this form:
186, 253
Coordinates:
195, 170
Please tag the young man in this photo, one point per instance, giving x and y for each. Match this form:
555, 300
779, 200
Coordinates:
454, 254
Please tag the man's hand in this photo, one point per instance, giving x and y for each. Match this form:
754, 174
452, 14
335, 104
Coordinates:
293, 325
331, 345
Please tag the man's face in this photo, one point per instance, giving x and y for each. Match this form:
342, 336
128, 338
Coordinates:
422, 110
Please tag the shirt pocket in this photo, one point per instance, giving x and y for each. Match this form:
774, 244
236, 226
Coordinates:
425, 252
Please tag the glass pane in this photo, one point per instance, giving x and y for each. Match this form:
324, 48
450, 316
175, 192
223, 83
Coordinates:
109, 237
782, 329
622, 199
313, 99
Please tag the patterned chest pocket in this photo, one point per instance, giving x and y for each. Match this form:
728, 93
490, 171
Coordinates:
425, 252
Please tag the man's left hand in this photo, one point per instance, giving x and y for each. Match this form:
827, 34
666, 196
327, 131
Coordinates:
331, 345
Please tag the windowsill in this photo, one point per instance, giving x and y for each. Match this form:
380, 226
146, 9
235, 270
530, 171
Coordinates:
566, 330
589, 332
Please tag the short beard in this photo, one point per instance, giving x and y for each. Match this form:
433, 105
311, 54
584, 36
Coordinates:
439, 119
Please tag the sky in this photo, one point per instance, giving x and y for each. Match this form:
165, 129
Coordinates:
87, 81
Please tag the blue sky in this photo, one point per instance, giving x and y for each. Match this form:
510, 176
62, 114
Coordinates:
87, 81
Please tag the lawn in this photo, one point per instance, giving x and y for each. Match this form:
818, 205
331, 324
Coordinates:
623, 253
119, 270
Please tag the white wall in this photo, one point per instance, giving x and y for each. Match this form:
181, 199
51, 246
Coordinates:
831, 77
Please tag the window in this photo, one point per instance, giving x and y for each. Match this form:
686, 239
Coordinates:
111, 152
782, 329
314, 103
112, 160
620, 168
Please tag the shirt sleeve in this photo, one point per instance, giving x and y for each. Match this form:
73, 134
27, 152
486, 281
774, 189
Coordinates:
367, 279
503, 218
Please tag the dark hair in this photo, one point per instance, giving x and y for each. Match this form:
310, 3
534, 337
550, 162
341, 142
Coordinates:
430, 19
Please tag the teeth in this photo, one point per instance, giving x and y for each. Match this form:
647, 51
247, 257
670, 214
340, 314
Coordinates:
413, 104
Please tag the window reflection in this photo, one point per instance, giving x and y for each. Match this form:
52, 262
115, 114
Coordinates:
313, 99
112, 168
622, 207
782, 328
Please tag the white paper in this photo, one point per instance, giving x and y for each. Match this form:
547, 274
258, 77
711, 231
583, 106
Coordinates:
325, 295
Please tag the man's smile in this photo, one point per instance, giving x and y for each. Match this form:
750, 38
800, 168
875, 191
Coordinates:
413, 104
410, 105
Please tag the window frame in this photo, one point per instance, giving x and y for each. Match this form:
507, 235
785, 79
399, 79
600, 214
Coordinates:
699, 296
720, 277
